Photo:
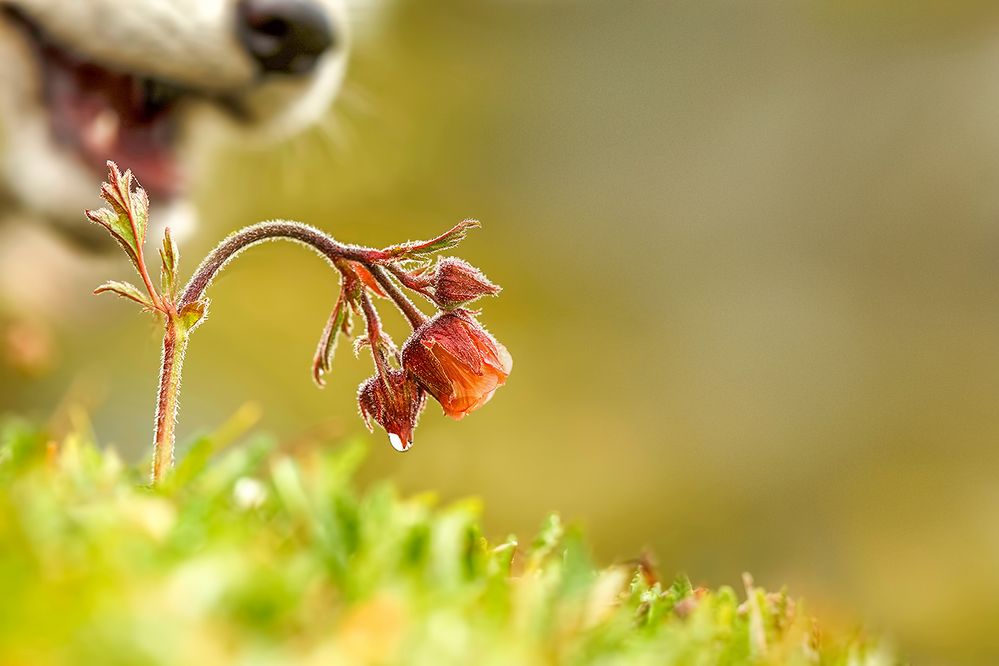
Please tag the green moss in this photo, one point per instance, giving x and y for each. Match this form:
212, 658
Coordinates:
248, 556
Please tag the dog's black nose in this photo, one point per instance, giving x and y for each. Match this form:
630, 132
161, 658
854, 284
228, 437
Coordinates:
284, 36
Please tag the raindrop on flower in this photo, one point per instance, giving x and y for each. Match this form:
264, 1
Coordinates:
398, 444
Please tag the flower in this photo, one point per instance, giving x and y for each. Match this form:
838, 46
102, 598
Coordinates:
457, 362
394, 401
456, 282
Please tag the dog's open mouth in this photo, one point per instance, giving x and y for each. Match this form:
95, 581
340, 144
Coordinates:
101, 114
104, 116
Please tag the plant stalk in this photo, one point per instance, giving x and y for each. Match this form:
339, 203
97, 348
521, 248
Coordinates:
175, 340
412, 313
318, 240
177, 330
176, 335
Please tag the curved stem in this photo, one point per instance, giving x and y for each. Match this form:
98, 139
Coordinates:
178, 328
264, 231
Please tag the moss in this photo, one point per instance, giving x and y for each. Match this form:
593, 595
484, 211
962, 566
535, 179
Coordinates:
248, 556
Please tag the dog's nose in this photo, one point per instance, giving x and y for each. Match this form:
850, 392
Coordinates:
284, 36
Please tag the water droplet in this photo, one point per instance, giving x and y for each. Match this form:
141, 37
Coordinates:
398, 444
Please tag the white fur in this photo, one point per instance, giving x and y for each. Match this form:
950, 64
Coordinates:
189, 42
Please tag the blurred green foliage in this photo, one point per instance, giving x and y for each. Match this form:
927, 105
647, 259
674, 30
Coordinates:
749, 256
249, 556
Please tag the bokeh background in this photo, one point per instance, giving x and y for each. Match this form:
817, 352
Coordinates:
750, 253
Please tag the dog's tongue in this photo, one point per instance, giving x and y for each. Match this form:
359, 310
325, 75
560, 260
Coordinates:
104, 116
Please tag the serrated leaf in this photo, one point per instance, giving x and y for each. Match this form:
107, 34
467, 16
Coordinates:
169, 259
192, 314
109, 220
338, 322
125, 290
128, 216
447, 240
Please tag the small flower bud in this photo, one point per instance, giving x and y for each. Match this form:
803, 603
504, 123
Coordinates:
393, 402
457, 362
456, 282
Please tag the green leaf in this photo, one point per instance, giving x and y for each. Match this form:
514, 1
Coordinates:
339, 322
169, 258
126, 290
192, 314
546, 541
128, 216
681, 587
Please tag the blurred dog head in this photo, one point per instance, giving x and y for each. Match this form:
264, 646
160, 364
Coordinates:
152, 84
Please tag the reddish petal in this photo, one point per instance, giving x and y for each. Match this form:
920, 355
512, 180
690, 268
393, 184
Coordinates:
368, 279
457, 362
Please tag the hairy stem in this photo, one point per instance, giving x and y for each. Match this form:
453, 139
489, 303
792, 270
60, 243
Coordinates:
178, 331
374, 326
412, 313
264, 231
174, 347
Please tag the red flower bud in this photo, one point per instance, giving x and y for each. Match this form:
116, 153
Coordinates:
457, 362
456, 282
395, 403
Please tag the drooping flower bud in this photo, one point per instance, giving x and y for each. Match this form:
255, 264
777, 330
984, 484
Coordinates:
457, 362
456, 282
393, 402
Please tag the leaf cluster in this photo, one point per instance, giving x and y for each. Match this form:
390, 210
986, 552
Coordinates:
126, 219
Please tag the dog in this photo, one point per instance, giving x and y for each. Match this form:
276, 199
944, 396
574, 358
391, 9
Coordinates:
154, 85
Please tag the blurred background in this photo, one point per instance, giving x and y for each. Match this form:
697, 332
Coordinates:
750, 253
